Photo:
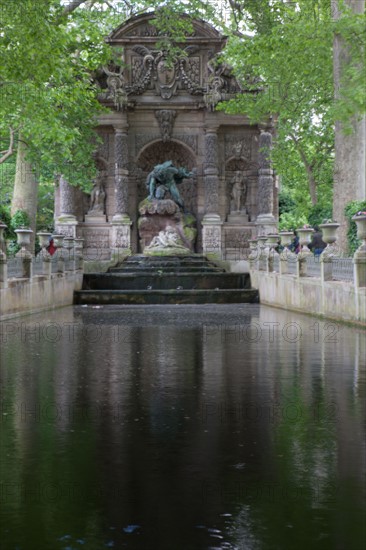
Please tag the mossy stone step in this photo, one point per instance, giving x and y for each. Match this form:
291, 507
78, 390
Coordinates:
128, 297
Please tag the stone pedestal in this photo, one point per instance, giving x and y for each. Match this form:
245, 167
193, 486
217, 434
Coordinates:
47, 266
359, 261
121, 237
156, 215
97, 241
66, 226
238, 218
27, 267
212, 236
265, 224
94, 218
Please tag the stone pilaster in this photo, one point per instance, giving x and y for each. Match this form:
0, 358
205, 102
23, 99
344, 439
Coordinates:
211, 223
211, 173
121, 172
66, 223
67, 201
266, 222
121, 222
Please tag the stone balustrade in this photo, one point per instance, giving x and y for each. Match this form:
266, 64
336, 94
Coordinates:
29, 284
327, 284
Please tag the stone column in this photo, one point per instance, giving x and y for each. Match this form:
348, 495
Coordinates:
266, 222
121, 222
211, 223
66, 223
3, 270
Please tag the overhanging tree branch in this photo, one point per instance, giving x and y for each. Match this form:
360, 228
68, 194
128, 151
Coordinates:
10, 150
72, 6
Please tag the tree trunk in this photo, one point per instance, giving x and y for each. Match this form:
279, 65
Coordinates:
25, 194
350, 154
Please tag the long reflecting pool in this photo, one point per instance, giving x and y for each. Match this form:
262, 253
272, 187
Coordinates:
182, 428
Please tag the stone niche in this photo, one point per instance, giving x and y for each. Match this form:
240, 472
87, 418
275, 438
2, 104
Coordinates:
158, 113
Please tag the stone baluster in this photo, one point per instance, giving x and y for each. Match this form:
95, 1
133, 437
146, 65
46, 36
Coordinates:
69, 247
121, 222
60, 254
211, 223
326, 267
78, 251
262, 253
286, 254
304, 238
272, 240
24, 239
253, 255
44, 256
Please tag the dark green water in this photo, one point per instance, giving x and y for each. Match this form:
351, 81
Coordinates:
182, 428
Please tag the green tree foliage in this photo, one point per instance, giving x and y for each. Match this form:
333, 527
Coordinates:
350, 210
282, 53
289, 59
46, 90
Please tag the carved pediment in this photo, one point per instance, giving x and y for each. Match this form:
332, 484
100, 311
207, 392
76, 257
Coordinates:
143, 27
148, 69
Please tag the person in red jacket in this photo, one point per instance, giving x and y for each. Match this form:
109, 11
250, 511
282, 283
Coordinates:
51, 248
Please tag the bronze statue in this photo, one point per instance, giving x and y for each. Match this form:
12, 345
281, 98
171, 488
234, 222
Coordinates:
165, 177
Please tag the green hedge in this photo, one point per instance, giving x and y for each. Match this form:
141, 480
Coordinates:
350, 210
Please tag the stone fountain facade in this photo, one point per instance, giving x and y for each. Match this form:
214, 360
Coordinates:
159, 112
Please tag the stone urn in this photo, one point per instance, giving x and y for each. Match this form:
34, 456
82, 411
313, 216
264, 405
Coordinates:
272, 240
329, 236
286, 238
360, 220
329, 231
58, 240
24, 240
44, 240
305, 238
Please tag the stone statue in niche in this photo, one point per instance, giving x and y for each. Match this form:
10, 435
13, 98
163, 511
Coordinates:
164, 178
238, 193
221, 81
116, 87
97, 197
